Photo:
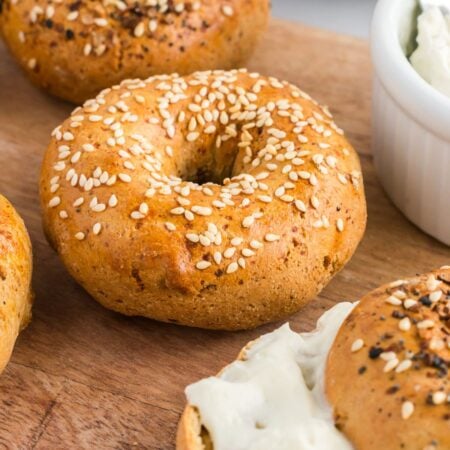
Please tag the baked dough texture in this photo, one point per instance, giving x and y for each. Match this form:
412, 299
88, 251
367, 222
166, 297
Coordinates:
15, 279
73, 49
387, 375
221, 200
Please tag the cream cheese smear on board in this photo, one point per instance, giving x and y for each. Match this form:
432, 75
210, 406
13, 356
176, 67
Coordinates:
275, 399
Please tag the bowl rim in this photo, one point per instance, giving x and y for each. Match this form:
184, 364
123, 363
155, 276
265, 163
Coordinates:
416, 97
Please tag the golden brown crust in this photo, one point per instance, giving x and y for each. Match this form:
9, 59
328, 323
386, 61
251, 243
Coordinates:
392, 391
15, 279
229, 255
75, 49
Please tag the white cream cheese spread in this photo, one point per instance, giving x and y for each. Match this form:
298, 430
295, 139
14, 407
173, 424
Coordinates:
431, 59
275, 398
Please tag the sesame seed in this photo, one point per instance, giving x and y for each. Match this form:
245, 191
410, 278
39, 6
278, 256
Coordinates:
202, 210
217, 257
227, 10
112, 202
248, 221
193, 136
99, 207
388, 356
399, 294
202, 265
139, 29
403, 366
229, 252
409, 303
232, 267
124, 177
340, 225
256, 244
405, 324
265, 198
97, 228
439, 397
407, 410
269, 237
193, 237
78, 202
432, 283
393, 301
136, 215
170, 226
55, 201
143, 208
236, 241
357, 345
80, 236
435, 296
300, 206
425, 324
397, 283
391, 365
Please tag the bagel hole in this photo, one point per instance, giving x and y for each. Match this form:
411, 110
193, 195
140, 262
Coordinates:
204, 175
210, 166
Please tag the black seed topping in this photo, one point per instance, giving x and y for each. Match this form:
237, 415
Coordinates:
375, 352
425, 300
69, 34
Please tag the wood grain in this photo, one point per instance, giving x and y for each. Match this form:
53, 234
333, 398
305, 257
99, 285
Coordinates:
84, 377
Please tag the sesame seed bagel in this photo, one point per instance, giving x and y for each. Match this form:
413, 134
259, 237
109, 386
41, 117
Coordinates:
75, 49
15, 279
221, 200
387, 375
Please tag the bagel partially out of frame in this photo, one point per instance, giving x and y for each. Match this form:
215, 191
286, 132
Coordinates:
221, 200
73, 49
386, 376
15, 279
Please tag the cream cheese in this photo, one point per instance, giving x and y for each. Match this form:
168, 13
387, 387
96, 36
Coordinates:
275, 399
431, 59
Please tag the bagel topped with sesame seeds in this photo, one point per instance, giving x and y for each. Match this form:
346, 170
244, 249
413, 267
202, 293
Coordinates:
387, 375
381, 365
221, 200
74, 49
15, 279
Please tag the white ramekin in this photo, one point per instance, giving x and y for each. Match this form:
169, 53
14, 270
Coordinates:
411, 126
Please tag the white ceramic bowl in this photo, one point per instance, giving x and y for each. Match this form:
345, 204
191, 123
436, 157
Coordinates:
411, 125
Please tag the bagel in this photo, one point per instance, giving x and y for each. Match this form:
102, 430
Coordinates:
380, 366
15, 279
75, 49
221, 200
402, 331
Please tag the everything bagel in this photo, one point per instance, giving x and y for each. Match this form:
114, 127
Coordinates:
220, 200
75, 49
396, 348
15, 279
380, 367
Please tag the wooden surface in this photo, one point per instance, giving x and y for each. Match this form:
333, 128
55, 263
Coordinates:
84, 377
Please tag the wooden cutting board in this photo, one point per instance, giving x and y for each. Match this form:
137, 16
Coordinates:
84, 377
